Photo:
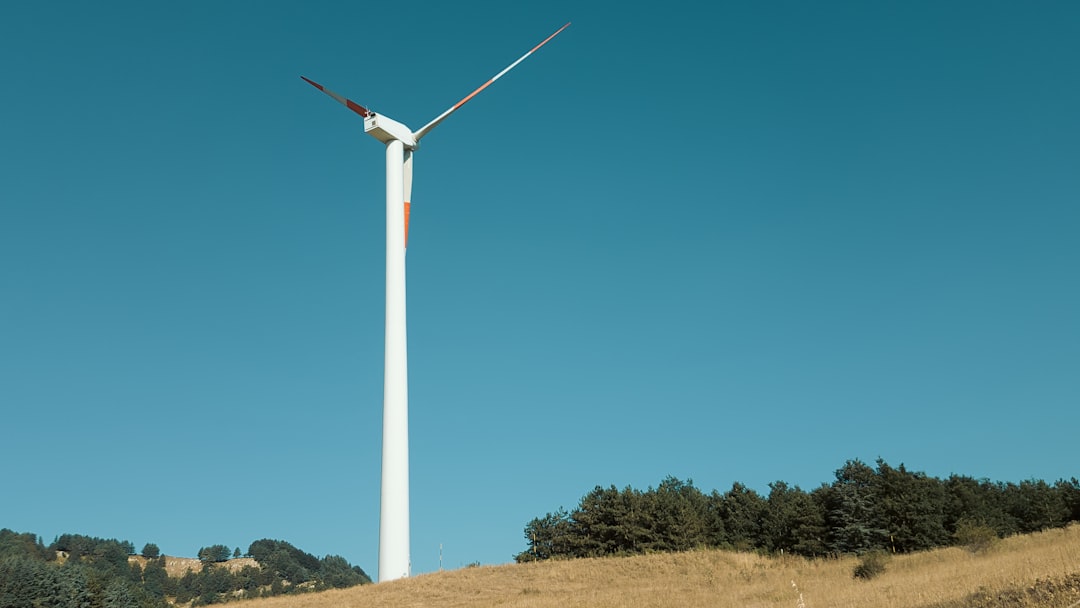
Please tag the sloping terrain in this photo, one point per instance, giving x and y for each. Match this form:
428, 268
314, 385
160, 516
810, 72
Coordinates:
1021, 572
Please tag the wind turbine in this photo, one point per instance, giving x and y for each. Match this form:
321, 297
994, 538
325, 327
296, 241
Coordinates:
401, 142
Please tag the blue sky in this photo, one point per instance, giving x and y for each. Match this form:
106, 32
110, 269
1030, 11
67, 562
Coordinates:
726, 242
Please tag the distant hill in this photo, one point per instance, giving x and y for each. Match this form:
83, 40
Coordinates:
1038, 570
78, 571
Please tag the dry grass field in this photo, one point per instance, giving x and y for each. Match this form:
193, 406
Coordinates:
1040, 570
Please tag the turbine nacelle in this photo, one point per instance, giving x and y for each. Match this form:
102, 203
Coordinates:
386, 129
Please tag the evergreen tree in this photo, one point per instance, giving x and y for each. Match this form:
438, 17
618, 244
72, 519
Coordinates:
911, 508
76, 587
548, 536
600, 523
22, 544
214, 553
741, 510
187, 588
1070, 491
19, 579
793, 521
1036, 505
119, 595
976, 501
155, 578
854, 523
335, 572
678, 516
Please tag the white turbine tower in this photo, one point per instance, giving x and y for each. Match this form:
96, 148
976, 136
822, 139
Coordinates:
400, 143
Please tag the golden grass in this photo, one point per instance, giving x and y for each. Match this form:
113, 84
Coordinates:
724, 579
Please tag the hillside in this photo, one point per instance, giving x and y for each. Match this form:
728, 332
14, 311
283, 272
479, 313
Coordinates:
178, 566
1041, 570
76, 571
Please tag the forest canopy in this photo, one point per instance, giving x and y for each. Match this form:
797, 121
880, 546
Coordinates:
882, 508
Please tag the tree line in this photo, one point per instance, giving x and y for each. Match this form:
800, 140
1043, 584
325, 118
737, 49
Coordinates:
77, 571
864, 509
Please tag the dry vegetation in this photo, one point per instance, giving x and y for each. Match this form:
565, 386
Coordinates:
178, 566
1022, 572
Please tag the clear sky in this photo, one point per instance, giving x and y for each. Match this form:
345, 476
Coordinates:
721, 241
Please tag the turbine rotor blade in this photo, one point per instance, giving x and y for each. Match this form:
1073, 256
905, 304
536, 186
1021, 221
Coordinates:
348, 103
441, 117
406, 170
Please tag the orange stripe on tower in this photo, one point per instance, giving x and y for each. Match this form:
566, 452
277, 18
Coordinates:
406, 224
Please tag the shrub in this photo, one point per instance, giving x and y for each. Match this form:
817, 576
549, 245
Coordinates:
871, 564
975, 536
